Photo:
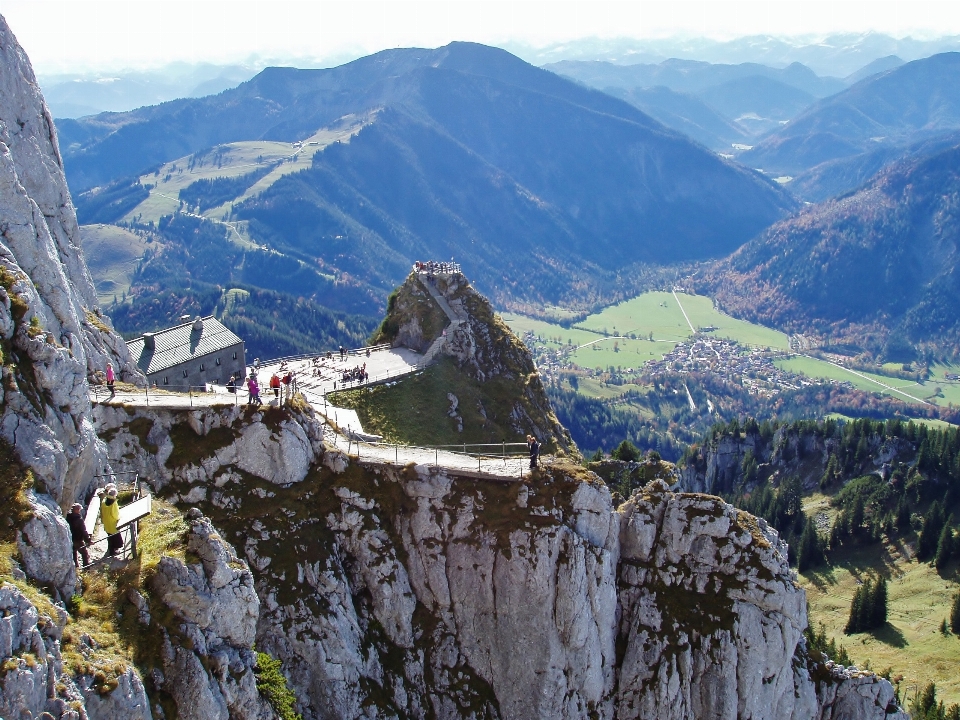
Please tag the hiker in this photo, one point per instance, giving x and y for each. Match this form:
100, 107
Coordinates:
287, 380
343, 353
275, 385
79, 535
232, 384
111, 378
534, 447
254, 391
110, 516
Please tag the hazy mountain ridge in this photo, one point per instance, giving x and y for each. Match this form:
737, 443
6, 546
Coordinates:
837, 55
895, 107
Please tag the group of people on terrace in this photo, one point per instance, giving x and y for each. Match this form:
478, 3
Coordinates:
432, 267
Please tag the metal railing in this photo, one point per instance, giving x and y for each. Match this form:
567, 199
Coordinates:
460, 449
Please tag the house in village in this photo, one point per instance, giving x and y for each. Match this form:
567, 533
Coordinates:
191, 354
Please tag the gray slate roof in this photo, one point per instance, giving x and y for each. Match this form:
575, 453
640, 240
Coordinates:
180, 344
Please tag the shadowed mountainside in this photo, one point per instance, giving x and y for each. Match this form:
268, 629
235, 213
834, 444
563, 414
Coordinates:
470, 152
881, 265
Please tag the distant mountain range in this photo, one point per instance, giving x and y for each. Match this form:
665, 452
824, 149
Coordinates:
717, 105
878, 268
837, 55
543, 188
73, 96
896, 108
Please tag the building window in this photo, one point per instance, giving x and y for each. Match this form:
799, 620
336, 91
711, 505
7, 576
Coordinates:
218, 361
184, 373
166, 381
201, 367
234, 356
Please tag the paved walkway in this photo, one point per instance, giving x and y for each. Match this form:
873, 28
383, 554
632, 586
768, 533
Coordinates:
502, 467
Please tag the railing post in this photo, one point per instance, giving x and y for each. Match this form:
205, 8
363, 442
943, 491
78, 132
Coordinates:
147, 391
190, 394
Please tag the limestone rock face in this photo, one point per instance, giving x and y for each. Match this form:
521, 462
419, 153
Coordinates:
216, 609
46, 548
411, 592
205, 449
50, 324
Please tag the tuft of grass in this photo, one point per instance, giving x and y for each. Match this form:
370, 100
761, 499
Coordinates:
97, 322
272, 684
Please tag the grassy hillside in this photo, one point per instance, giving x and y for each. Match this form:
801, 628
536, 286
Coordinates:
272, 160
415, 410
113, 255
911, 643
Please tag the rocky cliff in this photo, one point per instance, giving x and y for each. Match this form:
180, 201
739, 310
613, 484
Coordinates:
52, 334
392, 591
53, 338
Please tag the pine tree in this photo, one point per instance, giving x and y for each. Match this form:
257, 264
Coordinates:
856, 515
878, 605
933, 523
944, 547
955, 615
861, 598
810, 552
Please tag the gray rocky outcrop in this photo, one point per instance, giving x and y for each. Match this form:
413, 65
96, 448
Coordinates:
411, 592
34, 681
208, 664
201, 450
45, 547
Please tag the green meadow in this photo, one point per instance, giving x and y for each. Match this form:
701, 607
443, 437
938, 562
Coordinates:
919, 600
661, 313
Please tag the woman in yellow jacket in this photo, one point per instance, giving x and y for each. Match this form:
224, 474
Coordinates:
110, 516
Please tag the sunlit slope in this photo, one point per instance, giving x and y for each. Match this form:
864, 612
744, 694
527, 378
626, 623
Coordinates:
233, 160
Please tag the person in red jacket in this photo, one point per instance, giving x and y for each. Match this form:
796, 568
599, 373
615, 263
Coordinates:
275, 385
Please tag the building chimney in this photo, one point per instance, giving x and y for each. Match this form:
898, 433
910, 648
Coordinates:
148, 341
198, 324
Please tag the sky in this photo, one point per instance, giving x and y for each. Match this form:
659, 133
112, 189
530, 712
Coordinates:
102, 35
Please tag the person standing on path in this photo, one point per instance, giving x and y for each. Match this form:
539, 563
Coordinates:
275, 385
254, 391
111, 378
79, 535
110, 516
534, 447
